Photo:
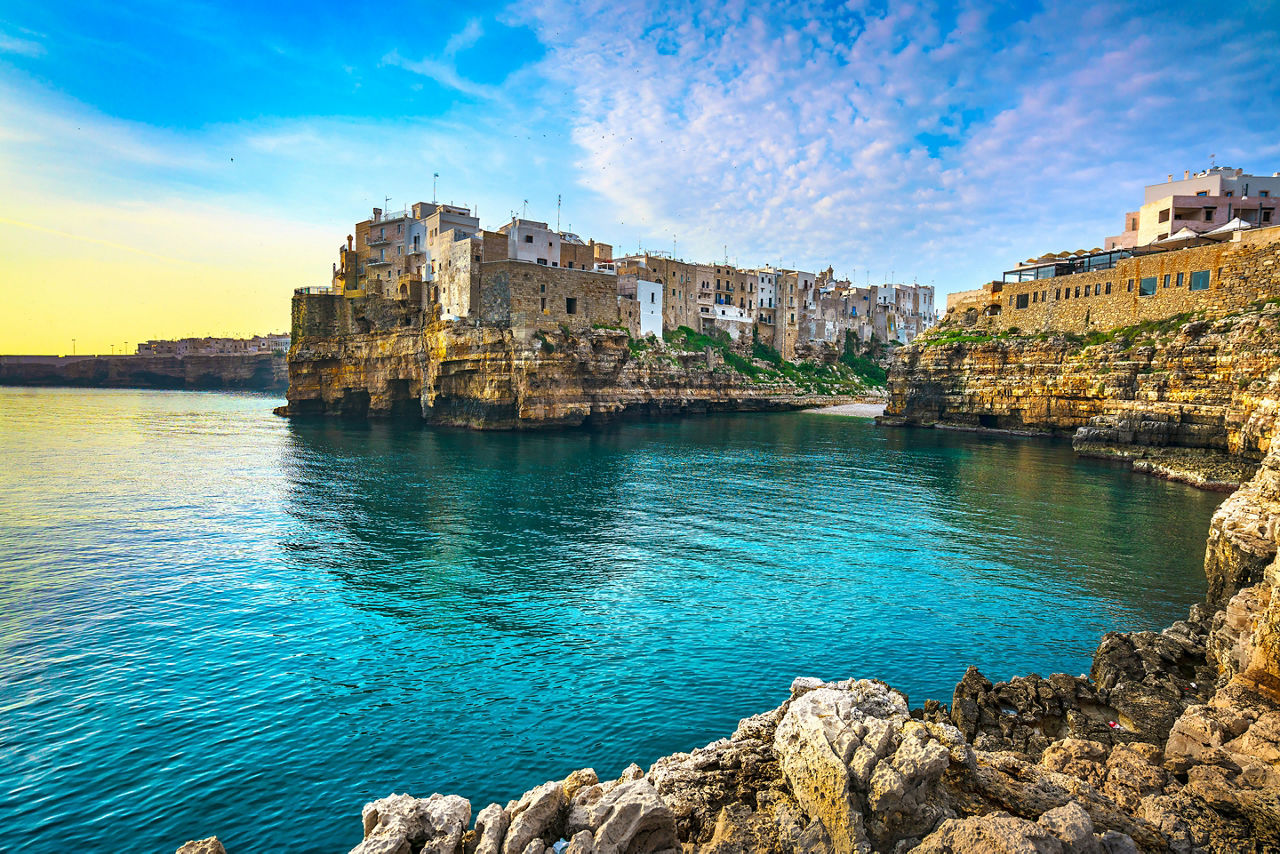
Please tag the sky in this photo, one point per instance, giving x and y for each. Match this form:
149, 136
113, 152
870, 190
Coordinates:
171, 169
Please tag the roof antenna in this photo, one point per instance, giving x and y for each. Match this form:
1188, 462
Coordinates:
434, 177
557, 213
525, 215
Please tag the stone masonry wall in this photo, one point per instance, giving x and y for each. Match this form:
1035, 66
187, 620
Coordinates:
1239, 274
523, 295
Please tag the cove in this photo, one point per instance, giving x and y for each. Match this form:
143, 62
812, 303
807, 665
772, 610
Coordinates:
215, 620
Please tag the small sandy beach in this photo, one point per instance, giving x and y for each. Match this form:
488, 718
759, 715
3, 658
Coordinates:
857, 410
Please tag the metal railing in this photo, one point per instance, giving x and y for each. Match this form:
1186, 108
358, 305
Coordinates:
313, 290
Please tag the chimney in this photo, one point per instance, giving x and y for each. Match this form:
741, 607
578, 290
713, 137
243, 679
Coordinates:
1186, 173
377, 214
349, 240
1170, 177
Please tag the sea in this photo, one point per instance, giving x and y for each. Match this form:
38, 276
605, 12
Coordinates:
214, 620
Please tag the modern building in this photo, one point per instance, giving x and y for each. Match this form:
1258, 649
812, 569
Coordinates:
1203, 202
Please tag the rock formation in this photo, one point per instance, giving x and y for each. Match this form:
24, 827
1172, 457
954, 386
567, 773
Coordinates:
371, 357
1189, 398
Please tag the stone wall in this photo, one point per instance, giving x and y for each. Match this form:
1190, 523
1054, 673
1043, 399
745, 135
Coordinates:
1239, 274
523, 295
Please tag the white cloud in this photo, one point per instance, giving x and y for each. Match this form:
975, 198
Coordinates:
797, 132
20, 46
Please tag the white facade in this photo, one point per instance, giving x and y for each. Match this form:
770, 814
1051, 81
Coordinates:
532, 241
649, 298
766, 287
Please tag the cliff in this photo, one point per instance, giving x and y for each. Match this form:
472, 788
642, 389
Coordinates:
1189, 397
369, 357
245, 371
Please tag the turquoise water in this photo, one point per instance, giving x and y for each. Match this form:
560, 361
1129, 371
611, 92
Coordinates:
215, 621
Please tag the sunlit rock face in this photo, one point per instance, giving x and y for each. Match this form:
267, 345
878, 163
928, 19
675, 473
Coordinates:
371, 357
1192, 400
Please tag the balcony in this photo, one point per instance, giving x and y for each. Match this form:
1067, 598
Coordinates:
377, 263
376, 241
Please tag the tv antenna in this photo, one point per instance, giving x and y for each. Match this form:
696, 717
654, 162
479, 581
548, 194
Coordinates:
434, 177
557, 213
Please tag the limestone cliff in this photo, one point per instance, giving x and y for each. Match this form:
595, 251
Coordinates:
1188, 397
371, 357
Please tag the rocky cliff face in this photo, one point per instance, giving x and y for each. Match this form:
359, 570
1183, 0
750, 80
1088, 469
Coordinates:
1189, 398
377, 359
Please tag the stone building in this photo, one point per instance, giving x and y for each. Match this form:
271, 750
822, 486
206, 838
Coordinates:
526, 275
1102, 291
1200, 203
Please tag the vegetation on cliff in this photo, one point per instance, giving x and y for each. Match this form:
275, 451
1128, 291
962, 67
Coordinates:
848, 374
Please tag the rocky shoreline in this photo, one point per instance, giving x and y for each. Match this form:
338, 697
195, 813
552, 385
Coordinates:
1171, 743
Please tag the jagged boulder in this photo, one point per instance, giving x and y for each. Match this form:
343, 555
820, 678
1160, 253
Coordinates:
402, 823
203, 846
632, 819
536, 816
857, 763
1028, 713
697, 786
1064, 829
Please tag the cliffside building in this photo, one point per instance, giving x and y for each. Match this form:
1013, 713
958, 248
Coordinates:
527, 275
1204, 202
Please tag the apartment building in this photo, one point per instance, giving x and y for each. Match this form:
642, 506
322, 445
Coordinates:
1207, 201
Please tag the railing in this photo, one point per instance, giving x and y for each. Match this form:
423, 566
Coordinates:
313, 290
376, 263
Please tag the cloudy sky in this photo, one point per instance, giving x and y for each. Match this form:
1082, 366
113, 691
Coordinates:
176, 168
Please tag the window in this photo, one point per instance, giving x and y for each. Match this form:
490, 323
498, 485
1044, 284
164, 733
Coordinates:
1228, 194
1067, 294
1057, 293
1131, 286
1200, 280
542, 261
544, 305
1077, 292
528, 238
1164, 215
1266, 194
1266, 215
1178, 282
653, 297
542, 289
1166, 280
1108, 287
1021, 302
1208, 214
1203, 193
1147, 286
571, 305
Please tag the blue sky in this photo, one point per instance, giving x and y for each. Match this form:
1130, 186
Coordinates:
934, 141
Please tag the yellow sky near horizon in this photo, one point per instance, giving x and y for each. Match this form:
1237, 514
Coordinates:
107, 275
